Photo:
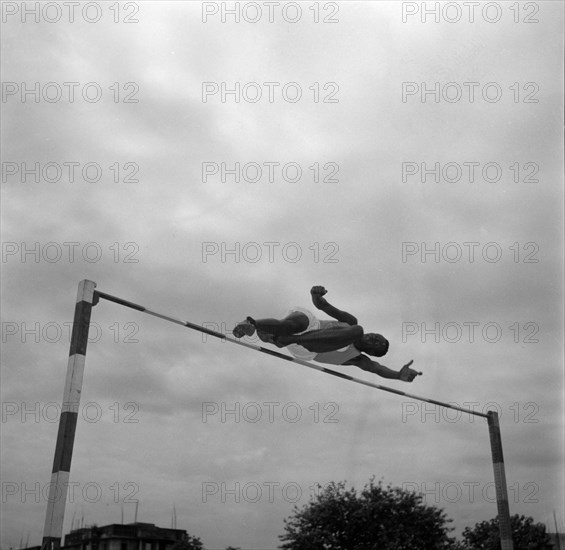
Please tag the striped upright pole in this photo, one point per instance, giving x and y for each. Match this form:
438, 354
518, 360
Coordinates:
58, 487
500, 482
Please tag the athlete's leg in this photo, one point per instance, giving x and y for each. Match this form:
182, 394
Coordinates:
323, 340
293, 323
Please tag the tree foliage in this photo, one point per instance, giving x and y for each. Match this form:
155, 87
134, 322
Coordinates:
188, 543
526, 535
376, 518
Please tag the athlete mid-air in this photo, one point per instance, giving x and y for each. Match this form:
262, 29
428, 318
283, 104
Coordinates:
339, 342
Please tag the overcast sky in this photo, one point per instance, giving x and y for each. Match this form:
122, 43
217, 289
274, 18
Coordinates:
460, 266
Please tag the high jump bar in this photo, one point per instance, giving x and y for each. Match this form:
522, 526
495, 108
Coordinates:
143, 309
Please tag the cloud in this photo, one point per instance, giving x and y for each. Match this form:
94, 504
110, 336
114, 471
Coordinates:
216, 251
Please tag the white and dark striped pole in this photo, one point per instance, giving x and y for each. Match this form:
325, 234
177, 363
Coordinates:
53, 530
502, 505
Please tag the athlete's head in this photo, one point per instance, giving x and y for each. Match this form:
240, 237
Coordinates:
374, 344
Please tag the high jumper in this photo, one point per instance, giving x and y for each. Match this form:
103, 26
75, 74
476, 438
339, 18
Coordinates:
339, 342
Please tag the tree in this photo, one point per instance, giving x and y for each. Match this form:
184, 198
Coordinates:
188, 543
526, 535
378, 518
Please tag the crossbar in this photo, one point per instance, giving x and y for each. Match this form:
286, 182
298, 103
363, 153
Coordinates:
143, 309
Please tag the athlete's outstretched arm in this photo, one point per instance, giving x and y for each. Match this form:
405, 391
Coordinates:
405, 374
317, 293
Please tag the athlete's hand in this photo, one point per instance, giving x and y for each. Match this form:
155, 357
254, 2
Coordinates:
407, 374
318, 291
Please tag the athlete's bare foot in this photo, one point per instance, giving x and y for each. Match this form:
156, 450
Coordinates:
244, 328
